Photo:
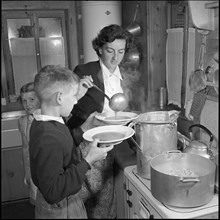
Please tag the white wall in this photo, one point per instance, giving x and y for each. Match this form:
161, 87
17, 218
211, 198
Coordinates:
96, 15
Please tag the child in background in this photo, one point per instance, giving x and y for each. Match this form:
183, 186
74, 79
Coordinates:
55, 166
30, 103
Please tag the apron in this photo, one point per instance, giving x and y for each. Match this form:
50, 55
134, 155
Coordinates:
98, 190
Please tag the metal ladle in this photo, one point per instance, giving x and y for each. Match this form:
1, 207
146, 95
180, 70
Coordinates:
118, 102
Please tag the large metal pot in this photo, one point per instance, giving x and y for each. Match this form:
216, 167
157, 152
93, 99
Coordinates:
156, 132
182, 179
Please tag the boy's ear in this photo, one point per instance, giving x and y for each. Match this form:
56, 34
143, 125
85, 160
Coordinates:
100, 51
59, 97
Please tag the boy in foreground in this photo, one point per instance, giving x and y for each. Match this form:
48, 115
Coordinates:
55, 167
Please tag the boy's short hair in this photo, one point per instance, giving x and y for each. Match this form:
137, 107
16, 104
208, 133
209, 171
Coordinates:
51, 78
28, 87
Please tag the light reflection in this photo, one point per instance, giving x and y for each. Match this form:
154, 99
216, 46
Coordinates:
54, 35
56, 42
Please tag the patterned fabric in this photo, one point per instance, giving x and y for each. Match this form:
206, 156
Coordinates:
98, 192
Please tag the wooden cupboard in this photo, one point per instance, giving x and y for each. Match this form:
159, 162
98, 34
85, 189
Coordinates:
34, 33
31, 40
12, 179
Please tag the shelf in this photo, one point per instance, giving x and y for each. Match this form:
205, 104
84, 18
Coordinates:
214, 4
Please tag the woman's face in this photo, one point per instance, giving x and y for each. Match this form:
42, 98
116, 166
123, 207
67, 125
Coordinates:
113, 53
30, 102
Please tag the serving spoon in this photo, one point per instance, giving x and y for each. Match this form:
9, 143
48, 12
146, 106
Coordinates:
118, 102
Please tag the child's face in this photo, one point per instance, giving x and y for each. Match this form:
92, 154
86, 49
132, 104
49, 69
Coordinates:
68, 100
30, 102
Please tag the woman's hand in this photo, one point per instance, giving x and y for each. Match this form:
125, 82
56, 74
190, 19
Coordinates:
85, 83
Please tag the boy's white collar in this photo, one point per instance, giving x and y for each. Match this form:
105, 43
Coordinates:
39, 117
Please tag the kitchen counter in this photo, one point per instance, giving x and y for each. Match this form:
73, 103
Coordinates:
11, 136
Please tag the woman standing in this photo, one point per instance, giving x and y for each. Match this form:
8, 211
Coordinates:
110, 45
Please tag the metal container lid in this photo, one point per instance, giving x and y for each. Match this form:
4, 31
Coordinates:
158, 117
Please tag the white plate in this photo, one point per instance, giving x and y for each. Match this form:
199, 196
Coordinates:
111, 134
122, 118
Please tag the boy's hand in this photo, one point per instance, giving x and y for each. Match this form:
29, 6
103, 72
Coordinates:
97, 153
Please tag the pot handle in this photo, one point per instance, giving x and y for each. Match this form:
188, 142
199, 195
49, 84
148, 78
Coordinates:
189, 179
132, 124
136, 144
173, 115
204, 128
169, 152
173, 151
180, 136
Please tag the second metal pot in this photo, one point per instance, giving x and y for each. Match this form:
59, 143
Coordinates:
182, 179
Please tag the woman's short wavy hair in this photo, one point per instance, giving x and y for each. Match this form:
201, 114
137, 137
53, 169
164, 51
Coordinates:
108, 34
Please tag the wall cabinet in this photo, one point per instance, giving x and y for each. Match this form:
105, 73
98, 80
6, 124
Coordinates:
12, 171
31, 39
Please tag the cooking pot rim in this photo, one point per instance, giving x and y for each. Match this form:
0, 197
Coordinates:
181, 189
159, 117
180, 154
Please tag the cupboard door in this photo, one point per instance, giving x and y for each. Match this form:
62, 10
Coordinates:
12, 179
22, 52
52, 38
30, 40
